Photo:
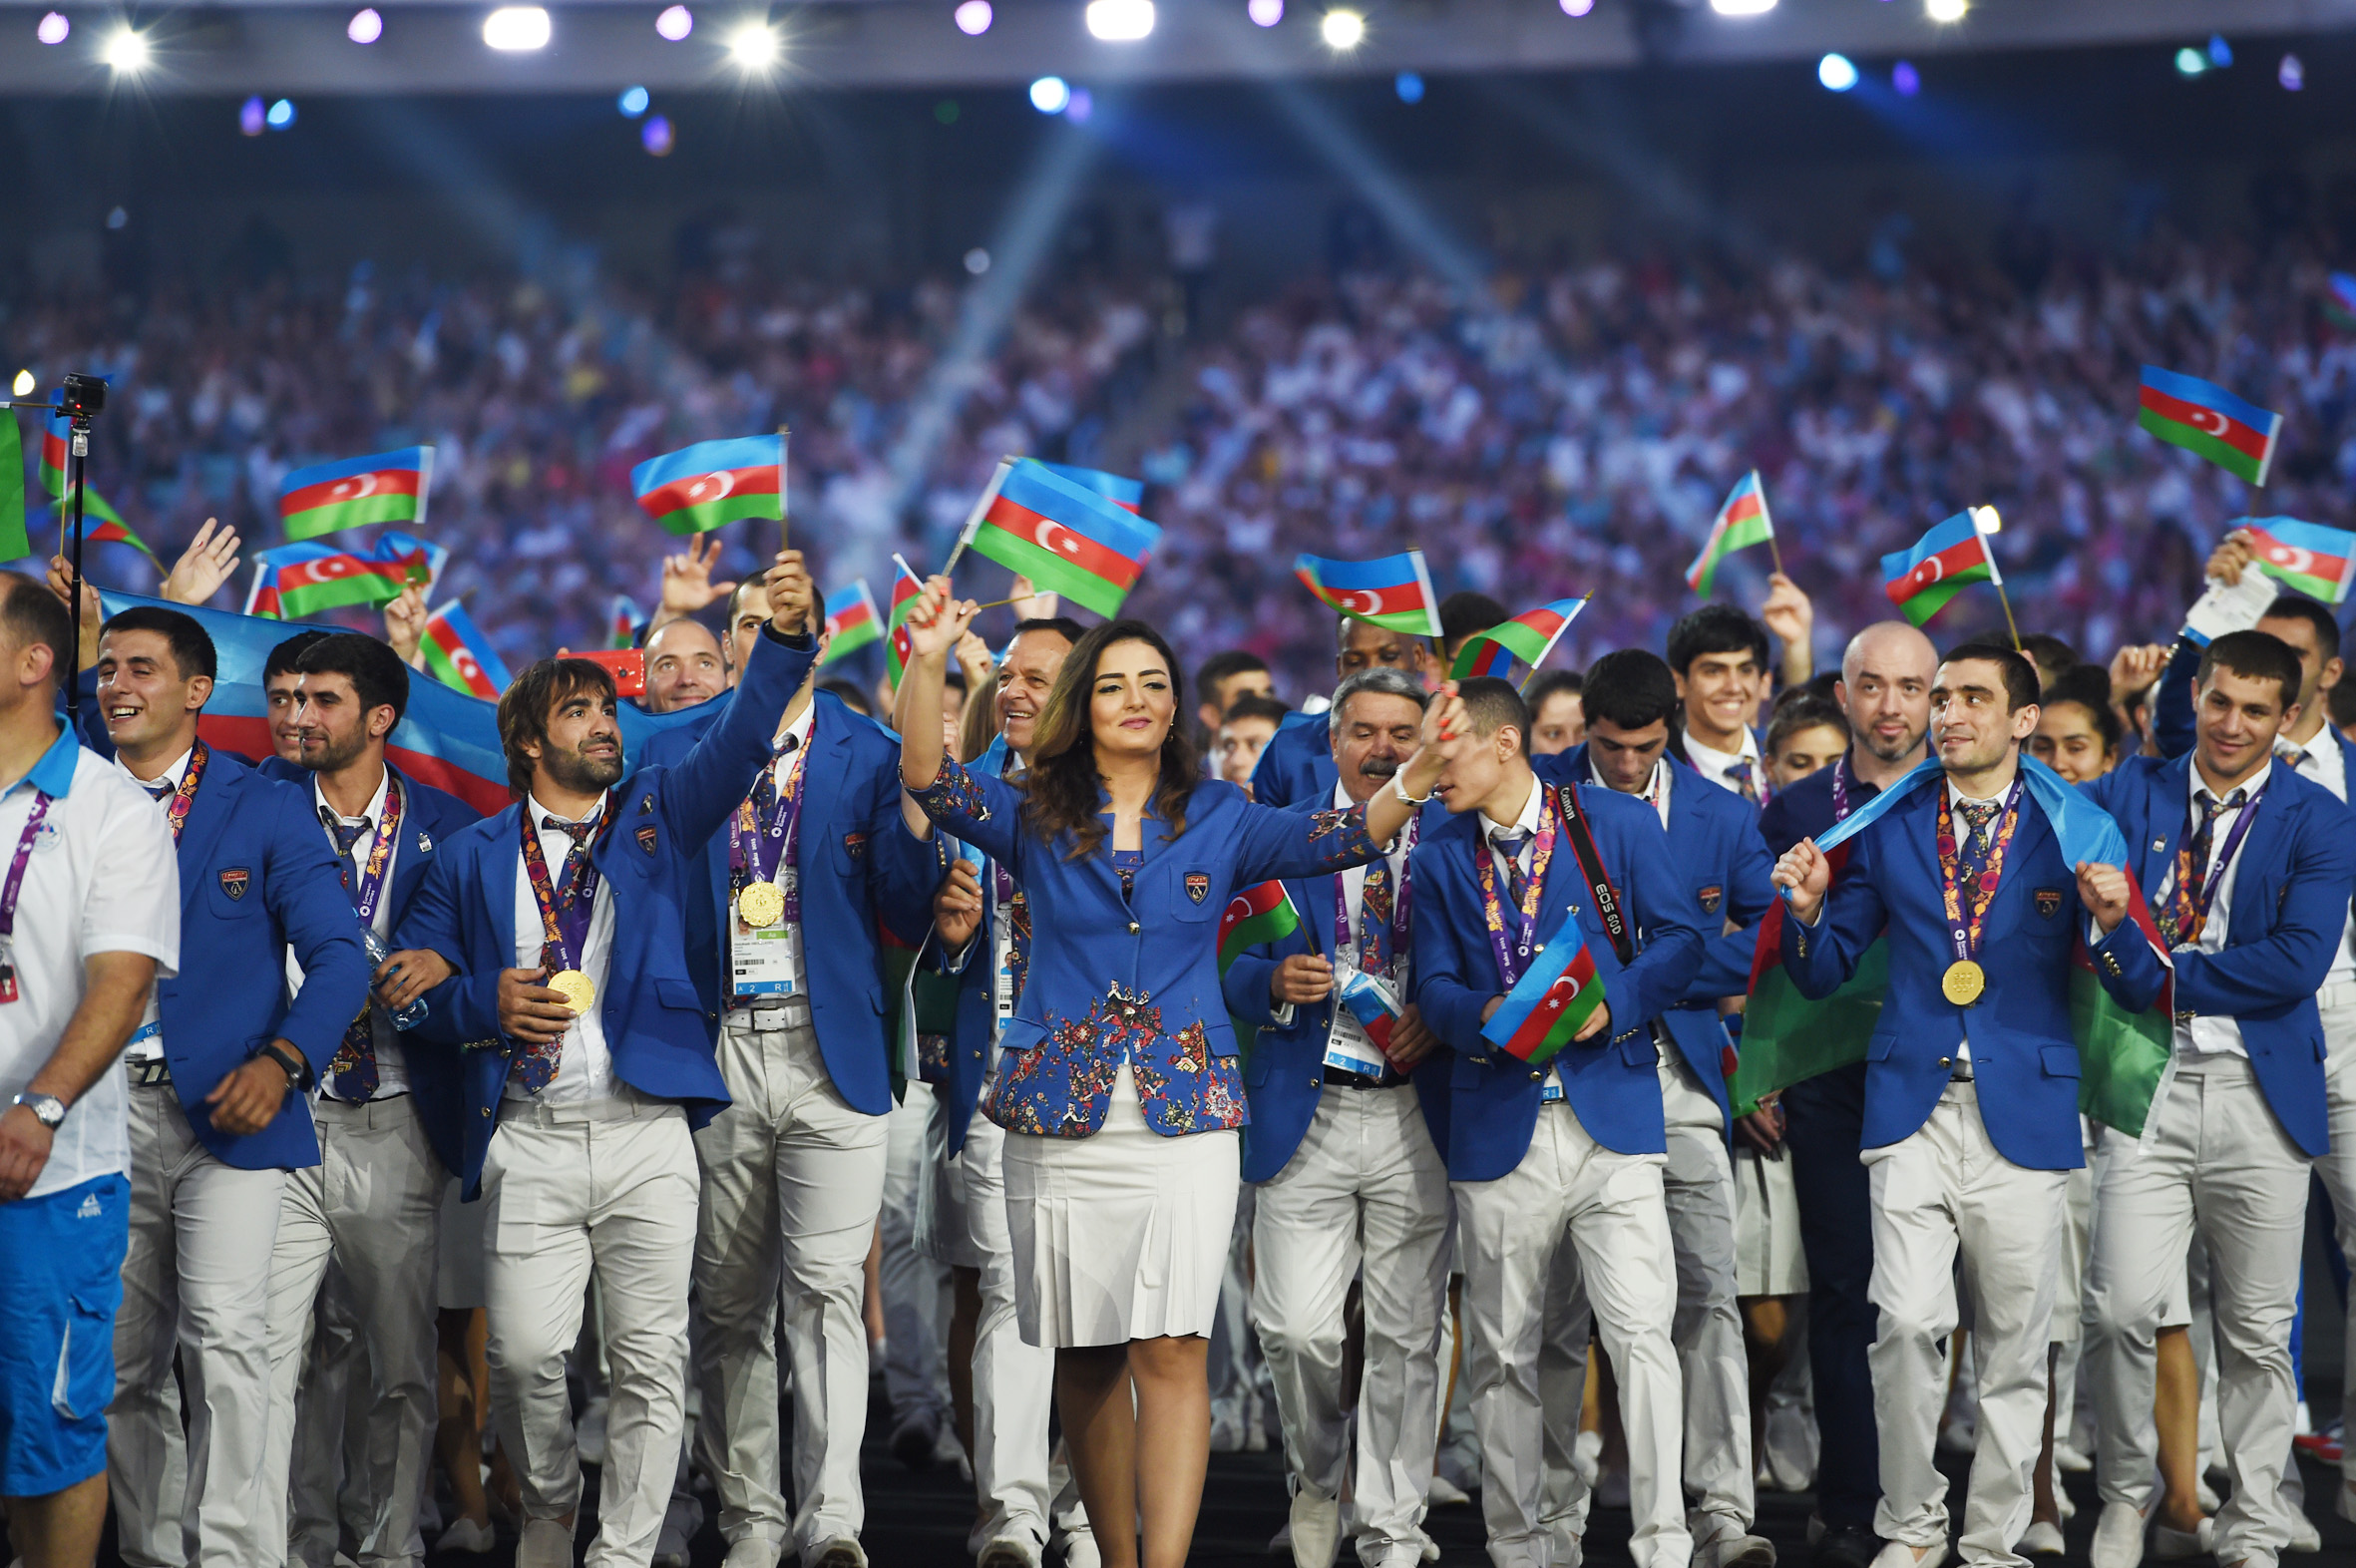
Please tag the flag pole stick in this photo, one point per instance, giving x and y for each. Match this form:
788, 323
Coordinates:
974, 518
1775, 550
784, 513
2010, 625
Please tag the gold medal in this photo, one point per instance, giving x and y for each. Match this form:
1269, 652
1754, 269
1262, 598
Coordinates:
1963, 982
577, 990
760, 904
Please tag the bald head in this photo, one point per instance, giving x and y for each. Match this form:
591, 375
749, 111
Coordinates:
683, 666
1886, 688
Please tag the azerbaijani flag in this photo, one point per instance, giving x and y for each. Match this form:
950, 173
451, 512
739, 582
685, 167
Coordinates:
1921, 580
459, 656
1372, 1004
1742, 522
906, 588
855, 624
1126, 493
1254, 915
2340, 304
2304, 556
622, 622
1552, 1000
1786, 1037
357, 492
1528, 637
1393, 592
697, 489
295, 581
15, 543
97, 528
1066, 537
54, 436
2202, 417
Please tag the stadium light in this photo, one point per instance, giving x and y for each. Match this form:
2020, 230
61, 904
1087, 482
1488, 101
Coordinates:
1265, 13
753, 46
365, 27
517, 28
1836, 72
281, 115
2291, 74
1408, 86
973, 18
2191, 61
2220, 53
1906, 78
23, 385
1742, 7
1577, 7
252, 119
1051, 94
127, 52
53, 28
1121, 20
1081, 107
1945, 10
675, 23
632, 101
976, 261
1343, 30
1985, 520
657, 136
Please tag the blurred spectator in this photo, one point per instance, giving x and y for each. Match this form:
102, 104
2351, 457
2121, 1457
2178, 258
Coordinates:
1807, 733
2078, 735
1219, 680
1557, 722
1463, 616
1244, 733
2049, 655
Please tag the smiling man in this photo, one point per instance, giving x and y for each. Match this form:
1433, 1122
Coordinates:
684, 666
1719, 659
1297, 764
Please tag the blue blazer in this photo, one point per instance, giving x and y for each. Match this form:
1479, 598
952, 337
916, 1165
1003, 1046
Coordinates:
1113, 979
859, 862
2291, 908
428, 817
1297, 765
2024, 1055
1286, 1073
1723, 865
656, 1027
1613, 1083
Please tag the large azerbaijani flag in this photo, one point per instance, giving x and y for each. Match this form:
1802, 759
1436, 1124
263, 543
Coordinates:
15, 543
1551, 1004
1067, 537
2204, 418
1393, 592
1528, 637
328, 498
459, 656
697, 489
294, 581
2304, 556
1922, 580
1742, 522
906, 588
854, 625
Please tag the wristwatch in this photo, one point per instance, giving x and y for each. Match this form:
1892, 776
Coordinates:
47, 1109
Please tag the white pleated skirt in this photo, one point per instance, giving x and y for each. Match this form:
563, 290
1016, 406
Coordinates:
1122, 1236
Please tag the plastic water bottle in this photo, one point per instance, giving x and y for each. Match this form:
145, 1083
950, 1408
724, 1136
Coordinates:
408, 1017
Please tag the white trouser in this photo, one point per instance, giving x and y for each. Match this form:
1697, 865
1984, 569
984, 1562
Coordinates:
1699, 1187
330, 1507
793, 1181
1365, 1190
373, 1204
2218, 1163
1609, 1206
915, 1312
2338, 1168
1941, 1187
607, 1188
193, 1279
1014, 1383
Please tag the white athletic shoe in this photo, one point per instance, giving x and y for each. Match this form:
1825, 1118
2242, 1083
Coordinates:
2119, 1537
1316, 1530
2043, 1539
2171, 1546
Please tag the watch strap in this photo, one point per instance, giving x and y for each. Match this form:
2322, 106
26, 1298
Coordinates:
298, 1071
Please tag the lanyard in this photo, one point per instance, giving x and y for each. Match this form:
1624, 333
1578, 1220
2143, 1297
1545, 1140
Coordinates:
1963, 928
564, 922
175, 810
380, 854
1345, 930
1840, 788
1512, 953
746, 835
2210, 878
16, 866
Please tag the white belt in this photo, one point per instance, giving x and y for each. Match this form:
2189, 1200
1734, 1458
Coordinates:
2336, 993
765, 1014
630, 1107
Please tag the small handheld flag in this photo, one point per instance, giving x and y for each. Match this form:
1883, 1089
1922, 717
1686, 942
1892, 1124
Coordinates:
1254, 915
1740, 522
623, 623
1942, 562
2203, 418
1528, 637
699, 488
459, 656
357, 492
2304, 556
1551, 1002
1393, 592
100, 525
1066, 538
854, 624
1126, 493
899, 647
296, 580
1374, 1006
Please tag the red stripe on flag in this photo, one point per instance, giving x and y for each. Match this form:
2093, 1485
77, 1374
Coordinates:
1395, 600
1745, 506
1061, 539
2241, 437
332, 568
1929, 572
698, 490
352, 487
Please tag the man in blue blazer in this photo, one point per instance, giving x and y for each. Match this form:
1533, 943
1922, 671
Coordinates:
793, 1171
1719, 659
1977, 998
387, 1117
1571, 1153
550, 944
1344, 1146
1630, 697
2250, 867
1298, 762
217, 1118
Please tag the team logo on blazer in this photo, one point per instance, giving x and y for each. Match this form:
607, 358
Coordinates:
1198, 885
855, 845
2049, 901
647, 838
234, 881
1712, 897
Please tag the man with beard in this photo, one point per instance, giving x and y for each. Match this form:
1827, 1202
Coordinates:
548, 944
387, 1119
282, 684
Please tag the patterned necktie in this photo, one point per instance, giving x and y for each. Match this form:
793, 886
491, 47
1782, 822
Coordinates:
1740, 775
573, 912
1510, 843
2183, 917
1373, 921
345, 837
353, 1074
765, 786
160, 791
2293, 755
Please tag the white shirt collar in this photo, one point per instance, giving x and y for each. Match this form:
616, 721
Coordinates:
1527, 822
2249, 787
171, 776
1717, 761
373, 815
798, 729
541, 813
1955, 794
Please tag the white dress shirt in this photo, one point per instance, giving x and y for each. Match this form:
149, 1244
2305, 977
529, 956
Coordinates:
1712, 763
147, 1041
1656, 791
782, 770
1955, 800
392, 1076
2322, 761
2214, 1035
585, 1067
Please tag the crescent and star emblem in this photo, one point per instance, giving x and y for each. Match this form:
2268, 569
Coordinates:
2290, 557
356, 488
1045, 535
2207, 419
1351, 597
720, 476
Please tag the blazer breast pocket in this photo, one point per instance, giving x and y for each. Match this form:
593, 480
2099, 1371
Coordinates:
233, 891
1192, 898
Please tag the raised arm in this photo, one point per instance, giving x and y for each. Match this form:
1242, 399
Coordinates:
712, 779
1311, 840
979, 809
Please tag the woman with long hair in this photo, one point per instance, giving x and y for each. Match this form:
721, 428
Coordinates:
1118, 1081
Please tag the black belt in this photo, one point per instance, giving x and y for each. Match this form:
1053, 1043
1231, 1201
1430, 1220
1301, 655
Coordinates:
1961, 1074
1342, 1077
150, 1072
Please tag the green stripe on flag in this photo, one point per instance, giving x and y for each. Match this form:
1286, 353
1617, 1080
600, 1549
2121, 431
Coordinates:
359, 512
1049, 572
442, 667
364, 587
2306, 582
15, 543
853, 640
2120, 1055
1752, 530
1932, 599
706, 515
1788, 1039
2201, 443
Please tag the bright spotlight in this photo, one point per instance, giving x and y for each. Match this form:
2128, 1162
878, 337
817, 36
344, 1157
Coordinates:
1742, 7
1051, 94
2291, 74
1081, 108
972, 18
675, 23
657, 136
1343, 30
976, 261
2220, 53
23, 385
1265, 13
1121, 20
53, 28
281, 114
365, 27
753, 46
127, 52
1408, 86
1577, 7
632, 101
1836, 72
2191, 62
1906, 78
515, 28
1945, 10
252, 118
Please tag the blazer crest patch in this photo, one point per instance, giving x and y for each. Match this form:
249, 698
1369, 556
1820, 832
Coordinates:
1198, 885
2049, 901
1712, 897
235, 880
647, 838
855, 845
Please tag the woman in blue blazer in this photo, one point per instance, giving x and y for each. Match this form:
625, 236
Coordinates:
1118, 1070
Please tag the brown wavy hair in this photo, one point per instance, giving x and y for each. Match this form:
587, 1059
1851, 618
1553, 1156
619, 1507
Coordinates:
1063, 782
